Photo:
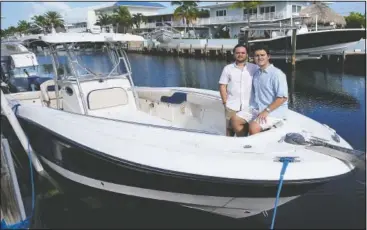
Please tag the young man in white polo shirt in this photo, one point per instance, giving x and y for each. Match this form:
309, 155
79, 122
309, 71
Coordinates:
235, 85
269, 97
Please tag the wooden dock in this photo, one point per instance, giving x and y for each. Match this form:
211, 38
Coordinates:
12, 207
226, 51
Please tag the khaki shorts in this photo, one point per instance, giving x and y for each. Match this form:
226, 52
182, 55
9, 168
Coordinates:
250, 115
229, 113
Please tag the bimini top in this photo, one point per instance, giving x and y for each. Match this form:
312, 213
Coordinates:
61, 38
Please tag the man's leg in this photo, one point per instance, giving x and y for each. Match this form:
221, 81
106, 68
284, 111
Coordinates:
229, 132
239, 126
229, 129
254, 128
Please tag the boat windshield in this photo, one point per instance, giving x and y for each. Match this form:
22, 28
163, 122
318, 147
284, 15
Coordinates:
94, 61
24, 71
98, 64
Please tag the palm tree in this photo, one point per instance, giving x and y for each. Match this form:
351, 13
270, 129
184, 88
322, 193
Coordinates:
186, 11
137, 19
11, 30
40, 21
103, 20
23, 26
54, 18
122, 17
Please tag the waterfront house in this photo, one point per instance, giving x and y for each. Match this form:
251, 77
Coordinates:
223, 17
266, 13
83, 19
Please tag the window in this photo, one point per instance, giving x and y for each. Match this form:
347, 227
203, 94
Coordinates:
251, 11
296, 9
267, 9
221, 13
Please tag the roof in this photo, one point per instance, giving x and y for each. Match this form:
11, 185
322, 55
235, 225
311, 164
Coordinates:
216, 5
324, 14
139, 3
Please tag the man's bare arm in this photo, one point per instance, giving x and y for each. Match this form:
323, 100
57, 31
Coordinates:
223, 92
277, 102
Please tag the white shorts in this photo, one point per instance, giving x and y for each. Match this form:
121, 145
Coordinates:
250, 115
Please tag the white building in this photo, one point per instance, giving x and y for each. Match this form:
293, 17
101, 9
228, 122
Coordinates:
81, 19
221, 15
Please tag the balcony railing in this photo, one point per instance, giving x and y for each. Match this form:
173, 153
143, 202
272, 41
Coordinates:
240, 18
217, 20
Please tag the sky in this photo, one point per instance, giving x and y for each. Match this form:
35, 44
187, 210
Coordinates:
16, 11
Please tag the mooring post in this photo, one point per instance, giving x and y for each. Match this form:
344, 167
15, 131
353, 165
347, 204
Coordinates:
243, 39
344, 55
294, 40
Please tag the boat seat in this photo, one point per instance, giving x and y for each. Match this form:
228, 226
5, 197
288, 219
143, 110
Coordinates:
106, 98
48, 98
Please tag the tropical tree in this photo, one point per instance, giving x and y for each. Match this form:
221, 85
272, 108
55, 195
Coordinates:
23, 26
122, 18
40, 21
355, 20
186, 11
137, 19
54, 18
11, 30
104, 20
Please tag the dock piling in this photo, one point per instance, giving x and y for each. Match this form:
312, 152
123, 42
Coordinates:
294, 42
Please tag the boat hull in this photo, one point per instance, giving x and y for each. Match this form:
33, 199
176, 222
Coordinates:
163, 36
315, 43
80, 165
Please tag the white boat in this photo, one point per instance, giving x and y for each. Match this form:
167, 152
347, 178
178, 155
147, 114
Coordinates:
100, 132
165, 34
20, 69
323, 42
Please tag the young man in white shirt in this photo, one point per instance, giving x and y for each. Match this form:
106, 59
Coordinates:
235, 85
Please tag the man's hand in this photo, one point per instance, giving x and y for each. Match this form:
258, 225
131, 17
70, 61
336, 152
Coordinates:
261, 118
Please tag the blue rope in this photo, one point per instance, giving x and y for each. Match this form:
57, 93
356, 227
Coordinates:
24, 224
285, 161
15, 108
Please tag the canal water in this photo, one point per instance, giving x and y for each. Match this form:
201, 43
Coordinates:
321, 90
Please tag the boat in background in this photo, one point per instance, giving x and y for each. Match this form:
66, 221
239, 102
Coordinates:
20, 70
323, 42
313, 43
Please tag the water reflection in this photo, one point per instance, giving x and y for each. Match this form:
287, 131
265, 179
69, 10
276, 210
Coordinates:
308, 87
